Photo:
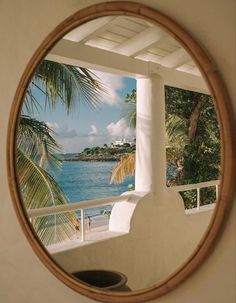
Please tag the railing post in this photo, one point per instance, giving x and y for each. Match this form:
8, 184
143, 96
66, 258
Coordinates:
198, 198
82, 224
217, 191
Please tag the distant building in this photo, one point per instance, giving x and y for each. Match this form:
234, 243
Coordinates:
123, 141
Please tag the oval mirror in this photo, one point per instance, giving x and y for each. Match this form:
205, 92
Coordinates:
117, 153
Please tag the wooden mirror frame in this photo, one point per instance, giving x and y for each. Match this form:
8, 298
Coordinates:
222, 103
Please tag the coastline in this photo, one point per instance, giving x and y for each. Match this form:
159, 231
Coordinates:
91, 160
101, 154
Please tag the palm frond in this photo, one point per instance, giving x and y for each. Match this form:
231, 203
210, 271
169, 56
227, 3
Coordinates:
66, 84
57, 228
35, 140
39, 189
130, 115
124, 168
31, 104
37, 149
129, 109
176, 131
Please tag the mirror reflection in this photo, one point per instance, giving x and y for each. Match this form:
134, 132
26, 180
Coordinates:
118, 154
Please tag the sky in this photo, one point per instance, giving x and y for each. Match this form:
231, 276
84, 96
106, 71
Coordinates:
86, 127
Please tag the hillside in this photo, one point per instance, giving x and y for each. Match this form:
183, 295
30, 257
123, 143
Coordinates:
105, 153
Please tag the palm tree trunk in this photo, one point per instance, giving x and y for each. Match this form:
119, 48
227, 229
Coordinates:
194, 118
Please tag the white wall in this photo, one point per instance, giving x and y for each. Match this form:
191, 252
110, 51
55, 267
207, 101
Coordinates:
23, 25
161, 239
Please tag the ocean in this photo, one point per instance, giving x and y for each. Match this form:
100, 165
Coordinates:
82, 180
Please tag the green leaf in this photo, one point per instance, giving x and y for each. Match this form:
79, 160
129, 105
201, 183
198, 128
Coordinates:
39, 189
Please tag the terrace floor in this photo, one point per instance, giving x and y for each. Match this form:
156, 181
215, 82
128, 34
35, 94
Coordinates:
99, 231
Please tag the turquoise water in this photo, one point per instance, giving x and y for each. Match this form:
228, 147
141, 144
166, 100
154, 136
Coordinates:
89, 180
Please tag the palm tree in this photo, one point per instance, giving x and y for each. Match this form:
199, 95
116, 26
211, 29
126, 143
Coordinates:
177, 140
37, 149
130, 108
193, 151
63, 83
124, 168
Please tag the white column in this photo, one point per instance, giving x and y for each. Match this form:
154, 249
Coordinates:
150, 174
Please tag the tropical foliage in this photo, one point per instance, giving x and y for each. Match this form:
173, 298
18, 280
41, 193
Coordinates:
106, 212
37, 150
193, 151
124, 168
130, 109
65, 84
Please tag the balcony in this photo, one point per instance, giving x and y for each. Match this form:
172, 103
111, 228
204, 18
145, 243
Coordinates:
122, 207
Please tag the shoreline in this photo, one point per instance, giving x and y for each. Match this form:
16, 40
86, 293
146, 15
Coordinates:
90, 160
98, 229
98, 222
100, 154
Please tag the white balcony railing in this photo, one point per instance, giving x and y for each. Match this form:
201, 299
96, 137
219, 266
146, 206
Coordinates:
198, 186
82, 205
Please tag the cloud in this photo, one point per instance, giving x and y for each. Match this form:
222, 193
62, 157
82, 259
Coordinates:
62, 132
120, 129
53, 126
113, 84
75, 141
93, 131
95, 136
67, 133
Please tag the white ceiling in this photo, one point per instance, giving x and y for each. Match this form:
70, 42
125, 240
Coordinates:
136, 38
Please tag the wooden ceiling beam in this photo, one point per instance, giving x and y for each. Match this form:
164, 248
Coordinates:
175, 59
140, 42
93, 58
85, 31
